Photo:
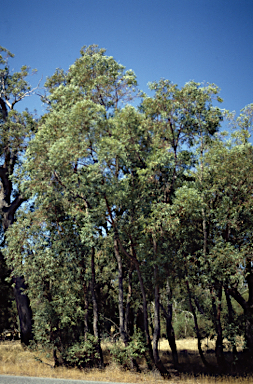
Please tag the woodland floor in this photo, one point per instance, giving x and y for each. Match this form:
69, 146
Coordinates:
14, 360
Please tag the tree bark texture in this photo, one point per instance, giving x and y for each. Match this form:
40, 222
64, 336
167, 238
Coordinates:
86, 310
217, 318
169, 327
122, 326
230, 314
95, 307
248, 315
8, 210
150, 358
206, 364
156, 336
249, 309
24, 311
129, 315
150, 361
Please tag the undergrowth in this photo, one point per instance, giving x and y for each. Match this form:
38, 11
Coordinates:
14, 360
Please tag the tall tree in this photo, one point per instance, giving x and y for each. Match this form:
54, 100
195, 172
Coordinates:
179, 118
65, 150
15, 131
228, 180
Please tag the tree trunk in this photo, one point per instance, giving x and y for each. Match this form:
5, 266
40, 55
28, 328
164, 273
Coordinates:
217, 316
8, 210
156, 335
248, 314
230, 316
249, 310
122, 320
86, 310
129, 315
206, 364
150, 359
169, 328
24, 311
122, 326
95, 308
7, 317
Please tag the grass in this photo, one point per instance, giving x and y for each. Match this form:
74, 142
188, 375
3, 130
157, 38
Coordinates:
14, 360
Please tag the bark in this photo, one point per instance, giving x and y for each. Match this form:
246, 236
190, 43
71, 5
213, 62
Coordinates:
86, 310
4, 110
122, 326
248, 315
150, 360
22, 300
238, 297
129, 315
156, 335
206, 364
169, 328
122, 322
55, 340
157, 328
139, 320
204, 232
95, 308
8, 210
24, 311
217, 316
133, 258
230, 315
54, 332
249, 309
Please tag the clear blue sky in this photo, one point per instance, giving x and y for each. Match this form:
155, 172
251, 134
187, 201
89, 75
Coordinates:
180, 40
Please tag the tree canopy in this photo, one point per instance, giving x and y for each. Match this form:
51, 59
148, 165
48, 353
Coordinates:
132, 208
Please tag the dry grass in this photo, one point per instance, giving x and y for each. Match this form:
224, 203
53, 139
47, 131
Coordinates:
14, 360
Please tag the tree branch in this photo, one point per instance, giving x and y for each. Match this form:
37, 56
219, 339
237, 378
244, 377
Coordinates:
238, 297
10, 211
4, 109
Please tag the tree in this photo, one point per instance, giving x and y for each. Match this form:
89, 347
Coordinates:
15, 131
229, 199
151, 189
69, 173
217, 256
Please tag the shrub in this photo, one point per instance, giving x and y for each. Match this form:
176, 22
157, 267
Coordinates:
123, 355
83, 354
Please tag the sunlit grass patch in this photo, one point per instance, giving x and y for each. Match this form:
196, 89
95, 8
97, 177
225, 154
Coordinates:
14, 360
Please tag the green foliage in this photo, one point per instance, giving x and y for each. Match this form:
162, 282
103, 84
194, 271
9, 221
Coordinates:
16, 130
83, 354
156, 181
135, 349
184, 325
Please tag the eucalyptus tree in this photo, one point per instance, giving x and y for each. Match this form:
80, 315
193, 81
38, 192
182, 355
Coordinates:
179, 118
114, 169
48, 252
16, 130
153, 151
228, 196
216, 256
63, 159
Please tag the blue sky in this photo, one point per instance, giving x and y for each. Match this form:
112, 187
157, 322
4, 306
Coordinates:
180, 40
